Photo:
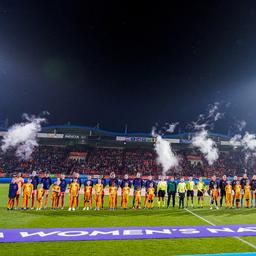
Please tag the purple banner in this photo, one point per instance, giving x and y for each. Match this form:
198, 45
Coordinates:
123, 233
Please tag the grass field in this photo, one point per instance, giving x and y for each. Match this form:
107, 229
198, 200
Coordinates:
118, 218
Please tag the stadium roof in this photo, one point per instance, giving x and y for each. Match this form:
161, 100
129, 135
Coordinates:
82, 129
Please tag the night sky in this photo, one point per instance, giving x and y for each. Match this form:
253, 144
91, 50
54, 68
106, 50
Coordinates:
127, 63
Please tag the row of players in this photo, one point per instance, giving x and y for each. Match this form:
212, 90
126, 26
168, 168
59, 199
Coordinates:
38, 190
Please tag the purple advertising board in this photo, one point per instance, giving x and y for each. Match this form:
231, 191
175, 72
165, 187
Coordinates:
123, 233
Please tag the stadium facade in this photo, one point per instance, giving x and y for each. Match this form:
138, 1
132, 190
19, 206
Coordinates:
78, 135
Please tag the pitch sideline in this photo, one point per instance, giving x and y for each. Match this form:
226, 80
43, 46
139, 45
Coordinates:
212, 224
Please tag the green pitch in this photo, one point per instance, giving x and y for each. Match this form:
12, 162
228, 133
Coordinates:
106, 218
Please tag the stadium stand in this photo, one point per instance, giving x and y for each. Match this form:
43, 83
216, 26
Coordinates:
87, 150
102, 161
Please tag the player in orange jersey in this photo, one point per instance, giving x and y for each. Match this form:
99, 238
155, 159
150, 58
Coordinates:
27, 189
137, 194
73, 190
55, 194
112, 196
88, 195
237, 190
228, 191
214, 196
39, 197
151, 195
247, 193
98, 194
125, 196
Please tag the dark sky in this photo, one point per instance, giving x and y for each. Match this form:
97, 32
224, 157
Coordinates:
136, 63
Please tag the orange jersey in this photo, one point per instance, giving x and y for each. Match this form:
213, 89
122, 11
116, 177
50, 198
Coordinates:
247, 191
112, 191
238, 191
137, 193
98, 188
228, 189
55, 190
39, 193
215, 193
151, 191
238, 188
88, 190
27, 188
126, 191
74, 188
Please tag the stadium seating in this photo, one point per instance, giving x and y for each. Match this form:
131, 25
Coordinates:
105, 160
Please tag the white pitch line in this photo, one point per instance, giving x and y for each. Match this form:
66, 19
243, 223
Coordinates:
200, 217
212, 224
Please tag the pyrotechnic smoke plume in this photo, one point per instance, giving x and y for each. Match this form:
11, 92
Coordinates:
213, 113
205, 121
201, 140
235, 141
22, 136
165, 156
206, 145
241, 125
171, 127
248, 141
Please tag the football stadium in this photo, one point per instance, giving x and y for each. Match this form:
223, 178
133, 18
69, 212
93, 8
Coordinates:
127, 128
85, 154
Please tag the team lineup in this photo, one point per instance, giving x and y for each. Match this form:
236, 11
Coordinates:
35, 192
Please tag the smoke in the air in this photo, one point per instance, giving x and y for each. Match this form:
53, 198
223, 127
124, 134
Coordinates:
201, 139
171, 127
165, 155
22, 137
206, 145
241, 125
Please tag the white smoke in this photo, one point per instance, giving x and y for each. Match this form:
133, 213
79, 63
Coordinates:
171, 127
235, 141
199, 126
248, 141
206, 145
241, 125
201, 140
218, 116
213, 109
213, 113
22, 137
165, 156
206, 121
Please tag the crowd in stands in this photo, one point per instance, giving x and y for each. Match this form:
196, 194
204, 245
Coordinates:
105, 160
140, 160
52, 159
101, 159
